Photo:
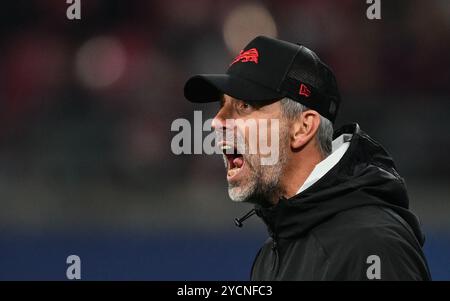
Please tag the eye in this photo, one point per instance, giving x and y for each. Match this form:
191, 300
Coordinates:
244, 106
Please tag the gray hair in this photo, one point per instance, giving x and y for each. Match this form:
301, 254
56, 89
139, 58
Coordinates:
292, 109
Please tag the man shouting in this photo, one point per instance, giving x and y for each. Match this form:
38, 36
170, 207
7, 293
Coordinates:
334, 205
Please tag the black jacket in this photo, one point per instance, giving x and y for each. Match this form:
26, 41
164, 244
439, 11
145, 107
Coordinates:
330, 230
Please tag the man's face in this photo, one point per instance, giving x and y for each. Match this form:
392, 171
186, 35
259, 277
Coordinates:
243, 128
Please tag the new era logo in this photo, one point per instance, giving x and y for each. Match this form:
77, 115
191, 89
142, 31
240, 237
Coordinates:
250, 55
304, 91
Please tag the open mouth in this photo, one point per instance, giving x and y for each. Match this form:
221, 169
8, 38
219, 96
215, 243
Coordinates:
235, 160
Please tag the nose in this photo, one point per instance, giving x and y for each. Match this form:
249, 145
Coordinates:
219, 123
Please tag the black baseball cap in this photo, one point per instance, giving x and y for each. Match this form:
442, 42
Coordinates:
271, 69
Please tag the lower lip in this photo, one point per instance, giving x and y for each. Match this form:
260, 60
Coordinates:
236, 175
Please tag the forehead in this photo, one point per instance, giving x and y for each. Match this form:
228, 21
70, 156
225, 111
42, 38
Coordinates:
257, 104
225, 97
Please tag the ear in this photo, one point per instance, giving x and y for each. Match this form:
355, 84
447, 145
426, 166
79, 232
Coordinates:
304, 128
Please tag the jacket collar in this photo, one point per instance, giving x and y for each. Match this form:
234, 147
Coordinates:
364, 176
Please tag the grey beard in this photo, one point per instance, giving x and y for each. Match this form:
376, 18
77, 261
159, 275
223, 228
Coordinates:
262, 186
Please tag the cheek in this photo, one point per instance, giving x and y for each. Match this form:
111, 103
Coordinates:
252, 164
275, 130
248, 136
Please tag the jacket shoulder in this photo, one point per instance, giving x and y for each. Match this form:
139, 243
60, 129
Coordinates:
359, 240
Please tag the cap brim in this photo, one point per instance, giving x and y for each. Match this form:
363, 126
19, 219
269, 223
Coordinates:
210, 87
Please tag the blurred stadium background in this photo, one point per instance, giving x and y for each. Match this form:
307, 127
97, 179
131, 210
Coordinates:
86, 108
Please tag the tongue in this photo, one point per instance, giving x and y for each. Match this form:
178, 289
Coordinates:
238, 162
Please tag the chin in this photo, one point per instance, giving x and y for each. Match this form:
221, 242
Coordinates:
239, 193
236, 195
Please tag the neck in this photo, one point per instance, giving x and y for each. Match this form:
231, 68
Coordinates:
299, 168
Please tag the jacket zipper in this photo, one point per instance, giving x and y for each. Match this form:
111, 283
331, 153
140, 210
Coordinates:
276, 262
